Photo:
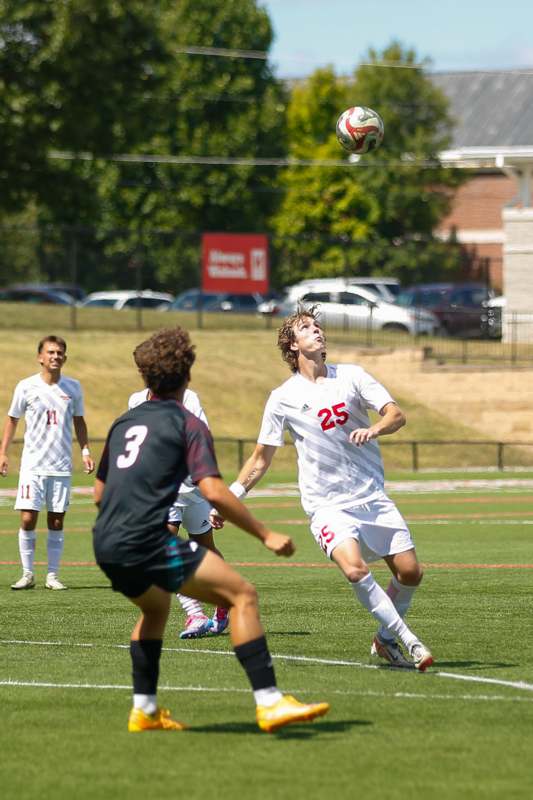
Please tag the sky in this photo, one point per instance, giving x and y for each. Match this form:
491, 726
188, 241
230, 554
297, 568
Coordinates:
456, 34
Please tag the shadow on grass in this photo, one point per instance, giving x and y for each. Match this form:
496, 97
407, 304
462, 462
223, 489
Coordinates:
302, 730
475, 665
87, 588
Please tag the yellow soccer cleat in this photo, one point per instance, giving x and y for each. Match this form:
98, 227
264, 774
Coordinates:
288, 711
160, 720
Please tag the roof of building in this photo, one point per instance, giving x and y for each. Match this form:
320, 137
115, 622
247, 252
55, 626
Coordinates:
491, 109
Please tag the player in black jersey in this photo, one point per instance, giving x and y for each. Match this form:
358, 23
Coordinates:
148, 452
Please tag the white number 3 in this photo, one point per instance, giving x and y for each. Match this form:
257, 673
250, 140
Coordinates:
135, 436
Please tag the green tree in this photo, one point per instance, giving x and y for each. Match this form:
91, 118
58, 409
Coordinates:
111, 77
323, 207
378, 216
208, 107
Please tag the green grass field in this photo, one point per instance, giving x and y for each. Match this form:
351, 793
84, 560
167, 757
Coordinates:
462, 730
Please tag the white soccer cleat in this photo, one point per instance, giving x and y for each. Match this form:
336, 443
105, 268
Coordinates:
52, 582
391, 652
421, 656
197, 626
26, 582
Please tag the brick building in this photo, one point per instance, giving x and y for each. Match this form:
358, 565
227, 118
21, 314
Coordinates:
491, 214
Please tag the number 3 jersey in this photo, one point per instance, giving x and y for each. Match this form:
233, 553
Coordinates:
48, 410
319, 418
148, 452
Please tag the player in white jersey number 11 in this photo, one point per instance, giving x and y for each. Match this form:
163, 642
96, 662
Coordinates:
51, 405
324, 408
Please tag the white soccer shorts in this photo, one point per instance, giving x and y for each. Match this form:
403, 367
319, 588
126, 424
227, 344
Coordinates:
378, 526
43, 491
193, 515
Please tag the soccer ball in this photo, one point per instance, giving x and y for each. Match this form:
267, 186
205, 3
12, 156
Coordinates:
360, 129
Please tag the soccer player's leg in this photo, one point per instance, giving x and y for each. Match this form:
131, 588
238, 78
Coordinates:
198, 526
216, 582
406, 577
30, 498
197, 623
145, 650
57, 499
338, 533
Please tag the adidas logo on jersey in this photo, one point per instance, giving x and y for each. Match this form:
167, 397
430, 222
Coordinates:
305, 408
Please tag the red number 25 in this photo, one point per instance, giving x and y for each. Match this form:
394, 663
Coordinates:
333, 416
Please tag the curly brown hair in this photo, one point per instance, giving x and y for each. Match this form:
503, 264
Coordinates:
165, 360
286, 334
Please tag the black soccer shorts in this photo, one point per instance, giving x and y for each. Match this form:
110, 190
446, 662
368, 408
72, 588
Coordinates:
181, 559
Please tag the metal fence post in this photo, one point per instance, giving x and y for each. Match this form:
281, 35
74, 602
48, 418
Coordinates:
73, 276
414, 455
500, 446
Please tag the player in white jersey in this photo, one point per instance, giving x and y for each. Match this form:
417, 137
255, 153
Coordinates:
340, 471
51, 404
193, 511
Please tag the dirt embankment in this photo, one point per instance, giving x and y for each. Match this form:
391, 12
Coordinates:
497, 403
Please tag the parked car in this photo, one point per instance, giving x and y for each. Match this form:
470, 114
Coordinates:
217, 302
383, 288
460, 307
237, 303
37, 296
128, 299
356, 307
190, 299
75, 292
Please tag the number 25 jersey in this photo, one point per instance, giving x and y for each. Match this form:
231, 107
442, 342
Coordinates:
319, 418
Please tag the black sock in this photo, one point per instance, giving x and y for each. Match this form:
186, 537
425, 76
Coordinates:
145, 655
257, 663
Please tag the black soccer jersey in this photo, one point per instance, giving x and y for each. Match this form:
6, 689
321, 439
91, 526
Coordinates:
148, 452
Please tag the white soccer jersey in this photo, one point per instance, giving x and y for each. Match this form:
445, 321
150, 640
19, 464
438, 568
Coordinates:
319, 418
192, 403
48, 410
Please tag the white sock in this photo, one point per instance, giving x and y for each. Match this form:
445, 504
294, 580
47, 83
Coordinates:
401, 596
268, 696
375, 600
54, 547
189, 605
146, 702
27, 549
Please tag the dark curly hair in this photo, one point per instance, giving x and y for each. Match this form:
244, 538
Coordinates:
286, 334
165, 360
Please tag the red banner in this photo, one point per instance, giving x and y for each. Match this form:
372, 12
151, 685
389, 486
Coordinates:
235, 262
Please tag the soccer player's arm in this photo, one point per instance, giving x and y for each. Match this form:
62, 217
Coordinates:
203, 469
391, 419
269, 439
10, 427
80, 429
101, 475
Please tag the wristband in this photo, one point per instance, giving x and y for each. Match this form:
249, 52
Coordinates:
238, 490
85, 451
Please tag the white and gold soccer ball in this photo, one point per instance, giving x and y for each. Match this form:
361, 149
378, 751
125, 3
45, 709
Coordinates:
360, 129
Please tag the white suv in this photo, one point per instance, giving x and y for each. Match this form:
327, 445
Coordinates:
353, 306
128, 299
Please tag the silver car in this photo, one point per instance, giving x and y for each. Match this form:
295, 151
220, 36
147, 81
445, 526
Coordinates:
356, 307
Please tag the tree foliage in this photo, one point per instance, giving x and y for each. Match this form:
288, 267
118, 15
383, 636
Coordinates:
378, 216
110, 77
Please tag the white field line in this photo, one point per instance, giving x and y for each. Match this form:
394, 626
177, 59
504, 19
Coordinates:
234, 690
521, 685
